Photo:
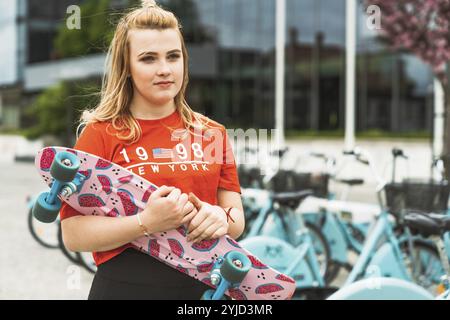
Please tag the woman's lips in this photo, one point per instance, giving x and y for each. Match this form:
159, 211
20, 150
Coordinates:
164, 84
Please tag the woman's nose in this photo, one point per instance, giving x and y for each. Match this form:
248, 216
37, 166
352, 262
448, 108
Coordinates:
163, 68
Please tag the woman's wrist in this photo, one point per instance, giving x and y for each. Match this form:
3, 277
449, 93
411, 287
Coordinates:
143, 228
228, 214
143, 223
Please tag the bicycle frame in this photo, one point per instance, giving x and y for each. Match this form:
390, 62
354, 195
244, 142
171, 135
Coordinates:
336, 231
387, 260
380, 288
295, 257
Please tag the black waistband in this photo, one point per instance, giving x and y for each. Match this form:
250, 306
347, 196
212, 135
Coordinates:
135, 267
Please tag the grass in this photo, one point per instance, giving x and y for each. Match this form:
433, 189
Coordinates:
369, 134
12, 132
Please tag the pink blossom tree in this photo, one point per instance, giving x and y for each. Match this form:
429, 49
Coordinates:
421, 27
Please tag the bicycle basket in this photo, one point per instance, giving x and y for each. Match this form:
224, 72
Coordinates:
318, 182
417, 195
287, 180
282, 181
249, 178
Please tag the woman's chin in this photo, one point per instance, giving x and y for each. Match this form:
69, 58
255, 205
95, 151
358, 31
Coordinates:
161, 101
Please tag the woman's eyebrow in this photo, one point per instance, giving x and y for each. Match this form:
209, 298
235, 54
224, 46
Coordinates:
156, 53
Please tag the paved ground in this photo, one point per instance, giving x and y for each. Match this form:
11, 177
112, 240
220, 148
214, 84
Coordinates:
29, 271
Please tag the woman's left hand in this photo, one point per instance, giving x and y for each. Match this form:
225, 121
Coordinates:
210, 222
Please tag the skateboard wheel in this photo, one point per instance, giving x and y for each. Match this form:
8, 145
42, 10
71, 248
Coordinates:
208, 295
235, 267
65, 166
44, 211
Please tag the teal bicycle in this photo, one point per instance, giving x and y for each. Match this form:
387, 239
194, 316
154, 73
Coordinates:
433, 226
386, 250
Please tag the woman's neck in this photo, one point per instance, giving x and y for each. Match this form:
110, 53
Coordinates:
143, 110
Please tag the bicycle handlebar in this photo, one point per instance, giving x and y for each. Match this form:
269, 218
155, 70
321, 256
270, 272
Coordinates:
318, 155
279, 152
365, 158
357, 153
396, 152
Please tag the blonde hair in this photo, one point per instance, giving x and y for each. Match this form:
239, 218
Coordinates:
117, 89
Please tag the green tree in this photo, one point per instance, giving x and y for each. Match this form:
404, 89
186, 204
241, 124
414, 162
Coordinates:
95, 34
57, 109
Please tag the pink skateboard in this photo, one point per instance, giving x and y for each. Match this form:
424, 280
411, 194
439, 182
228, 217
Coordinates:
99, 187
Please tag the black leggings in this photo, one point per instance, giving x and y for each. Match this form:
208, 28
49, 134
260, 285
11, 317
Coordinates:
137, 276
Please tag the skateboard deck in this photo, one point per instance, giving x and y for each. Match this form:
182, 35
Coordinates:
110, 190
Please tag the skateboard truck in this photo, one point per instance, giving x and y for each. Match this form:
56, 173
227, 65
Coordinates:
67, 180
72, 187
227, 273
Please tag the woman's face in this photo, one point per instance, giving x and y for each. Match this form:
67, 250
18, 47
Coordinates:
156, 64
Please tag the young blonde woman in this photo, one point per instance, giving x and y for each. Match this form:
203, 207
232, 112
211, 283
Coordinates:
144, 123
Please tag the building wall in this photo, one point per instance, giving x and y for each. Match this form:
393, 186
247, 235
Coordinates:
231, 44
391, 87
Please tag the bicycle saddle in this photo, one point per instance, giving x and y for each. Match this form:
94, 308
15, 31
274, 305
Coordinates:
429, 224
291, 199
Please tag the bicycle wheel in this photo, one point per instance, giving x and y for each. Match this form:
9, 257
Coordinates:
72, 256
322, 249
87, 261
426, 267
44, 233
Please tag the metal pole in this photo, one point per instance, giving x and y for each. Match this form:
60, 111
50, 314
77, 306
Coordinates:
350, 40
280, 41
439, 107
1, 109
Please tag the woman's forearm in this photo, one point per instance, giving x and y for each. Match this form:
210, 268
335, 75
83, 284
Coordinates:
236, 228
98, 233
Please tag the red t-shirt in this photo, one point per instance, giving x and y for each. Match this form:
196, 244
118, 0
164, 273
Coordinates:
164, 157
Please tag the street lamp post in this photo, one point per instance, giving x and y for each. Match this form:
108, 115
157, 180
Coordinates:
439, 108
280, 41
350, 40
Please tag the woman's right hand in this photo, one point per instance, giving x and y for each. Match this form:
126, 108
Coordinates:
167, 209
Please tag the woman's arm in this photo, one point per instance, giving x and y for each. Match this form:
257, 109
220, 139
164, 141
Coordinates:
168, 208
230, 199
98, 233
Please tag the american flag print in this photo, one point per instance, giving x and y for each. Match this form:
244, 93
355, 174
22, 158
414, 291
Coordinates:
162, 153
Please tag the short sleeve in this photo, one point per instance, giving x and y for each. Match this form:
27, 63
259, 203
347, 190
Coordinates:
91, 141
229, 179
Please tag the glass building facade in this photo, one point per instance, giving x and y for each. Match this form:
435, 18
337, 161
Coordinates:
232, 64
43, 20
394, 90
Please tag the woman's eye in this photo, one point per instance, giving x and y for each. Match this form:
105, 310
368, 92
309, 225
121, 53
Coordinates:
148, 59
174, 56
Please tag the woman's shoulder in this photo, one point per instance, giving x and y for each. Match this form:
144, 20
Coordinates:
94, 130
96, 126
